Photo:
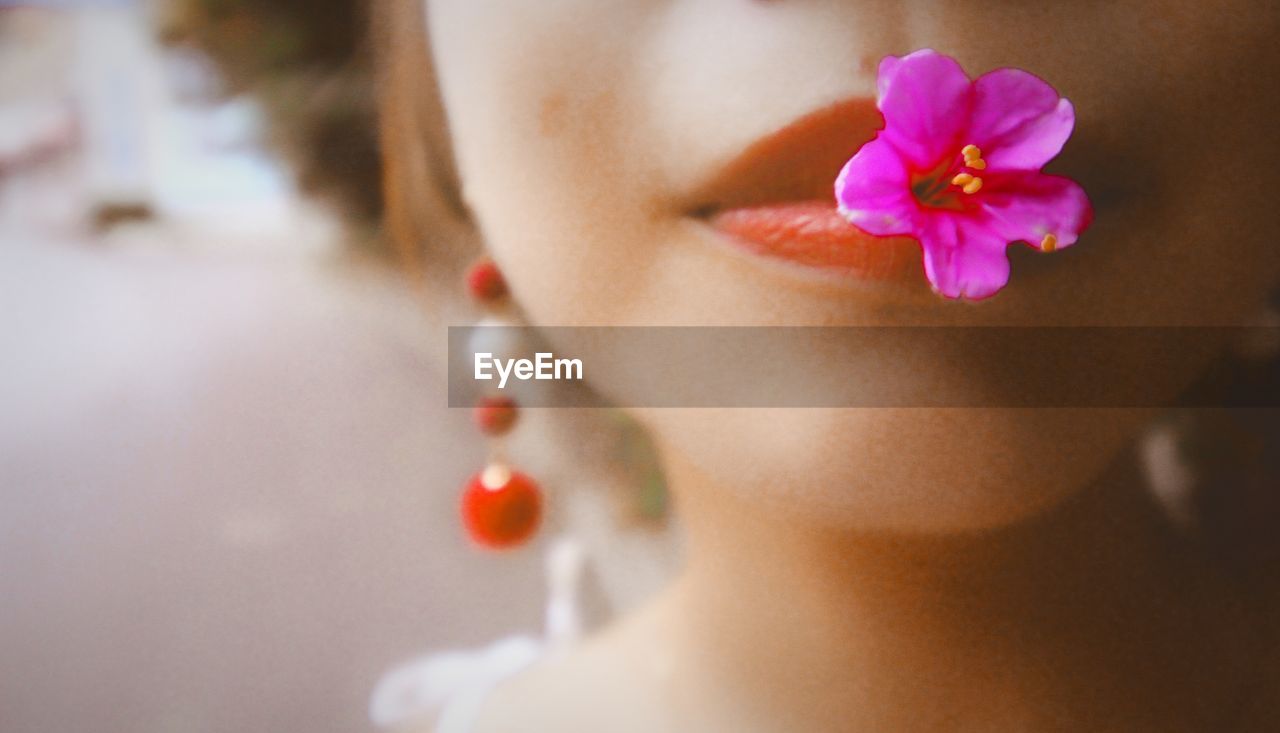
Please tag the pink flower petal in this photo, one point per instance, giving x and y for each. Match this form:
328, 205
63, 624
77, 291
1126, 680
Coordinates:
925, 98
1018, 120
1027, 206
873, 191
931, 112
962, 259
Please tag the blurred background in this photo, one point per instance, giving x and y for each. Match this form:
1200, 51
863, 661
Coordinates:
227, 472
228, 475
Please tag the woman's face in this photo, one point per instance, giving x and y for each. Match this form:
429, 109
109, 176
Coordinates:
586, 132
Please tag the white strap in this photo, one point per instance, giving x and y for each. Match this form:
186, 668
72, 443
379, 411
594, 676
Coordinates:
450, 687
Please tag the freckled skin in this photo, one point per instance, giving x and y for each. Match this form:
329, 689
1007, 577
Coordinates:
551, 114
578, 127
882, 569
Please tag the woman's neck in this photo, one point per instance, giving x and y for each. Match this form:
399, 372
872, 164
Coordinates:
1090, 613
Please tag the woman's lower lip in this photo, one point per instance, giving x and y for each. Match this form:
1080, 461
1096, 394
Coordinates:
814, 234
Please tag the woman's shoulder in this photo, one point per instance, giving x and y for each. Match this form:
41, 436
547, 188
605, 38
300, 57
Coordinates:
447, 692
444, 692
611, 680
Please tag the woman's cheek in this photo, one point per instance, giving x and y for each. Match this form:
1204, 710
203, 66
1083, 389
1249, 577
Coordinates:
537, 103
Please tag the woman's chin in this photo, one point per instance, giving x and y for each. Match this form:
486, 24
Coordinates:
911, 470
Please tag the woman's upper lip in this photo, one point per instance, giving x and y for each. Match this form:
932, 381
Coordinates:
798, 162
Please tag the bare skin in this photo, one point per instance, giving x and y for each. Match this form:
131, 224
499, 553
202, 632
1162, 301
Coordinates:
1095, 616
896, 570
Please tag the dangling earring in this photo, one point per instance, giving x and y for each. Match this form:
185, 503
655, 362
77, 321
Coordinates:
501, 508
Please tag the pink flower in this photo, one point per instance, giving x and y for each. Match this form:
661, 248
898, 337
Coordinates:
957, 167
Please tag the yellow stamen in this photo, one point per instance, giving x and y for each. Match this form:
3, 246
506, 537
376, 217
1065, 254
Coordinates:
970, 152
973, 186
1049, 243
961, 179
978, 164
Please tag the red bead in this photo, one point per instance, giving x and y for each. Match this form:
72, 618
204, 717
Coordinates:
501, 508
485, 282
495, 415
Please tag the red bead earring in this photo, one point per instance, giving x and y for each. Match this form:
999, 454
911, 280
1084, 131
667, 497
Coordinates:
501, 508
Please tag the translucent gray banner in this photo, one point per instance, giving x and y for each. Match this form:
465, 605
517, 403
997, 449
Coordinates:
861, 367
